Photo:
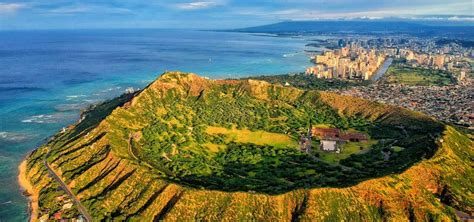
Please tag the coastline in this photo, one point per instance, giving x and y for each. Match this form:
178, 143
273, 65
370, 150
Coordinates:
28, 190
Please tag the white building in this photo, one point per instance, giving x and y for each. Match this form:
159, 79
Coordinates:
330, 145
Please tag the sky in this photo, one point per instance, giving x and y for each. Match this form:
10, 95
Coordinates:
217, 14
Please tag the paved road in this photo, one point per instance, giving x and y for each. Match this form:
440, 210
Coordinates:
68, 191
130, 150
382, 70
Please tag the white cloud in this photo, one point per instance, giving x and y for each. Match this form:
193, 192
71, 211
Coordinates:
464, 19
82, 9
70, 10
9, 8
415, 12
198, 5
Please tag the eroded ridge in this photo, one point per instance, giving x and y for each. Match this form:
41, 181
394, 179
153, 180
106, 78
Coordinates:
187, 148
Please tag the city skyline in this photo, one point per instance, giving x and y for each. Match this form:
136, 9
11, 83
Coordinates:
220, 14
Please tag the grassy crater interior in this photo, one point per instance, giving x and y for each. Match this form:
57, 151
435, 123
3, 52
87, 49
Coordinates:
243, 135
177, 150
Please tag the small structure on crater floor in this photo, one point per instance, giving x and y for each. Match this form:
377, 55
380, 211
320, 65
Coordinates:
306, 141
331, 145
332, 139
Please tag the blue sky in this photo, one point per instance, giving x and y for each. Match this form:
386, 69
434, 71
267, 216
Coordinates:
53, 14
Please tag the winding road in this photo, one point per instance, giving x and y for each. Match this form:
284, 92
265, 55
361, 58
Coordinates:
68, 191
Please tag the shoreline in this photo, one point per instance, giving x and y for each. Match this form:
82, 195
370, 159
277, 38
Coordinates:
28, 190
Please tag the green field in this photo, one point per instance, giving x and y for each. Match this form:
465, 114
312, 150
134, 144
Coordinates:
401, 74
347, 149
243, 136
257, 137
310, 82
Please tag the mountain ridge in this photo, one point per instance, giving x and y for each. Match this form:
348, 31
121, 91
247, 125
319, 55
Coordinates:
361, 27
101, 167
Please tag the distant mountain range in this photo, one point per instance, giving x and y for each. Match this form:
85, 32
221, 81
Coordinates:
363, 27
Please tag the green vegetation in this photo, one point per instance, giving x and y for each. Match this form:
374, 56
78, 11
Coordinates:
244, 137
403, 74
90, 118
231, 140
266, 169
175, 150
255, 137
397, 148
348, 149
309, 82
52, 199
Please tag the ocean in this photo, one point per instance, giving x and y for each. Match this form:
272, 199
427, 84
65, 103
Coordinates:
48, 77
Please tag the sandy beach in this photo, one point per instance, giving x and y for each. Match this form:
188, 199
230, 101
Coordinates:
29, 189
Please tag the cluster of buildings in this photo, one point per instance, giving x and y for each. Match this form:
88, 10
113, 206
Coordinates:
359, 57
437, 61
331, 139
67, 207
452, 63
349, 62
452, 103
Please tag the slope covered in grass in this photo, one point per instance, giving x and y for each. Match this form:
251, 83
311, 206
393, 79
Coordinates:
151, 158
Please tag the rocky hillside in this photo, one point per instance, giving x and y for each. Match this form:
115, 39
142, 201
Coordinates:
103, 160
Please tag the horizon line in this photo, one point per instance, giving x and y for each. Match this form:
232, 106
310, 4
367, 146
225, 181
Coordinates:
438, 23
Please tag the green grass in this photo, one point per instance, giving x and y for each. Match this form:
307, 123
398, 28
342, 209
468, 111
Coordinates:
178, 128
397, 148
309, 82
215, 147
257, 137
417, 76
244, 137
348, 149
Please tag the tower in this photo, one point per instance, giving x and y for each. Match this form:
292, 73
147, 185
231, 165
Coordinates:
310, 130
309, 137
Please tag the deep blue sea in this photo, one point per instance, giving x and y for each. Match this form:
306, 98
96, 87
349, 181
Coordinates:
47, 77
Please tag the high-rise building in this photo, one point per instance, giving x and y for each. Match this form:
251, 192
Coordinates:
439, 61
345, 51
354, 62
462, 76
410, 55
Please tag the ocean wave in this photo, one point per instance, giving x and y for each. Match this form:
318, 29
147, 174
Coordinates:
13, 137
38, 119
92, 101
7, 202
288, 55
75, 96
46, 118
111, 89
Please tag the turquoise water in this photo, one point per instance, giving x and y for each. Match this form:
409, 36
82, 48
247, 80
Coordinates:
47, 77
